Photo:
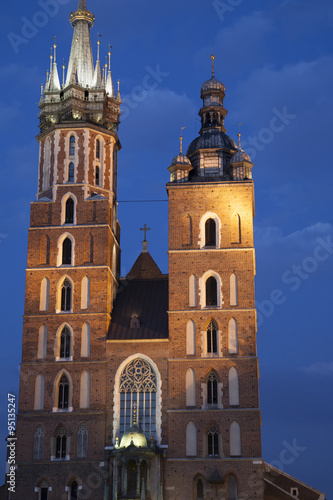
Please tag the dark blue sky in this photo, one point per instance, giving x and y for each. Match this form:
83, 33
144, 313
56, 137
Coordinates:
275, 59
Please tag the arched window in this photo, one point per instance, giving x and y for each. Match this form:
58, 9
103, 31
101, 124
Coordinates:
232, 489
98, 149
191, 440
39, 392
212, 338
213, 442
210, 233
85, 341
72, 146
211, 292
61, 444
63, 393
65, 343
199, 489
67, 252
138, 386
190, 387
70, 172
232, 336
69, 211
97, 176
42, 342
193, 291
235, 440
233, 387
212, 389
186, 230
44, 295
131, 478
74, 490
38, 452
85, 390
44, 250
85, 293
43, 491
233, 290
82, 441
66, 296
235, 228
190, 337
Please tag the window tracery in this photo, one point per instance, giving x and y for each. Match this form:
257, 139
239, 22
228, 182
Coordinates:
138, 385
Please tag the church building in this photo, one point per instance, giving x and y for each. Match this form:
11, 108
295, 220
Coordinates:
143, 386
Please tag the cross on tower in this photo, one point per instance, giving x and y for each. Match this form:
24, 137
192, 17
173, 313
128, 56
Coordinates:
145, 229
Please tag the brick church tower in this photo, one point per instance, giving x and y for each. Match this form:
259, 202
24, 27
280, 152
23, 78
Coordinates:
145, 386
214, 424
72, 272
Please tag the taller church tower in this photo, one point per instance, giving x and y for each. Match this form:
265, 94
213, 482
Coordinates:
72, 276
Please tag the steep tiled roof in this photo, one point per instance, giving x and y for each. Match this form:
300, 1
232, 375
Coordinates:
144, 268
146, 299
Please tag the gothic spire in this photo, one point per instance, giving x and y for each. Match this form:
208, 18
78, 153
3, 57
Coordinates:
97, 80
81, 54
109, 84
54, 83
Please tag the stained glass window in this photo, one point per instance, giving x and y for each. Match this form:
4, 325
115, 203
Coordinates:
138, 387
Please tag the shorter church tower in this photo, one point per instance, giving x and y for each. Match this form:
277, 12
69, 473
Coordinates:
214, 448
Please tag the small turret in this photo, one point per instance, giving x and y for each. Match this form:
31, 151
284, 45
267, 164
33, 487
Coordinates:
180, 165
241, 165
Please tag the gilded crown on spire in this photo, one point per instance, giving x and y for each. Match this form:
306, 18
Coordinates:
82, 14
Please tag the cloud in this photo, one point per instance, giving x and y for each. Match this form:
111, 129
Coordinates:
321, 368
236, 46
302, 239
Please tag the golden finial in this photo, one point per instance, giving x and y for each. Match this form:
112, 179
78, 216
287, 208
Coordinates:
239, 137
55, 51
118, 82
181, 139
109, 54
98, 45
213, 65
63, 71
134, 414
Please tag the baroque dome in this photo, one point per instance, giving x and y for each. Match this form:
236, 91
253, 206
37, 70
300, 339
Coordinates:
240, 156
180, 158
211, 139
134, 436
212, 84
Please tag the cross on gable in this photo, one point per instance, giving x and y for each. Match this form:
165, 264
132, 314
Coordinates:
145, 229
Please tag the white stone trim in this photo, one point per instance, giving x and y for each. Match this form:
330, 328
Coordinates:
116, 396
63, 208
56, 153
204, 353
202, 289
202, 229
56, 347
59, 246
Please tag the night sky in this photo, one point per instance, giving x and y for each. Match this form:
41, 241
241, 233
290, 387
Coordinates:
275, 60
